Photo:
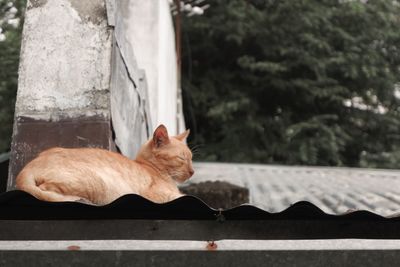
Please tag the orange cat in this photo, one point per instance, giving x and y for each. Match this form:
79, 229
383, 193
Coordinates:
99, 176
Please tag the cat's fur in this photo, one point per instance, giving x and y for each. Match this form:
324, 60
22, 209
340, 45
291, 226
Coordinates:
99, 176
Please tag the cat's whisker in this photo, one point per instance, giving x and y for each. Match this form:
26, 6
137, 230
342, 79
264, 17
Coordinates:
196, 153
195, 146
194, 150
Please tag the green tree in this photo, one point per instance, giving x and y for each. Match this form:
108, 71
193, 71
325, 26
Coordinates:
295, 82
11, 14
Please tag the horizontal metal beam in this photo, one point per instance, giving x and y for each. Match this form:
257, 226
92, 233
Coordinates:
197, 253
194, 230
191, 245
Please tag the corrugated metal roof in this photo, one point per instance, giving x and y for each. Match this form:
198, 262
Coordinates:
185, 218
334, 190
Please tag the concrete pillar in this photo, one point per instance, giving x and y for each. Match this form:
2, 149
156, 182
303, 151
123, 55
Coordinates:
64, 80
93, 74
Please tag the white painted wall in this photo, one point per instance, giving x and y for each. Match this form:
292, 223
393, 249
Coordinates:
167, 69
151, 33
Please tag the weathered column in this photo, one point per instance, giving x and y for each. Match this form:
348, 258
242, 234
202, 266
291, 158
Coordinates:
82, 76
64, 79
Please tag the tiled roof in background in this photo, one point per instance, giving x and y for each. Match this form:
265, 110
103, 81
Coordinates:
334, 190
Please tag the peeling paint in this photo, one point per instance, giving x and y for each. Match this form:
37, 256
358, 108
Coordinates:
93, 10
99, 99
36, 3
55, 115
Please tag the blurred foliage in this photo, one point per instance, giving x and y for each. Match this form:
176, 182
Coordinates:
308, 82
11, 26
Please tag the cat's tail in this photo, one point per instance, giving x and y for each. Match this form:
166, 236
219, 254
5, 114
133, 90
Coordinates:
27, 181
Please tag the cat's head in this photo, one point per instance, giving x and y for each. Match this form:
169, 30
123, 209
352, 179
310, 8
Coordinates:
169, 154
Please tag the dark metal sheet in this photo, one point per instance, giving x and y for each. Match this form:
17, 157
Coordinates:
186, 218
364, 258
32, 136
4, 163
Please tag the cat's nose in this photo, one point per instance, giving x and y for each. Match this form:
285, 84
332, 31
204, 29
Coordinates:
191, 172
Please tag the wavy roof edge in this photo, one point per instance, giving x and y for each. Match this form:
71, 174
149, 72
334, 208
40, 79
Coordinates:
21, 205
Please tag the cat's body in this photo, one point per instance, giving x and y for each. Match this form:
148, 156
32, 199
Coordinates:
99, 176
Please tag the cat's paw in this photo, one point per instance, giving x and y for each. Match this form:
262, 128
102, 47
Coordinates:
84, 201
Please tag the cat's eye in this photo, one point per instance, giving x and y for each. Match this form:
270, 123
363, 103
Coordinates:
181, 158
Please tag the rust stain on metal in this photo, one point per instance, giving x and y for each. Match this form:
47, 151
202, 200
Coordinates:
211, 246
73, 247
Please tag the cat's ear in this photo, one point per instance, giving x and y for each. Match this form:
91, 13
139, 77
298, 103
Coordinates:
160, 136
183, 136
